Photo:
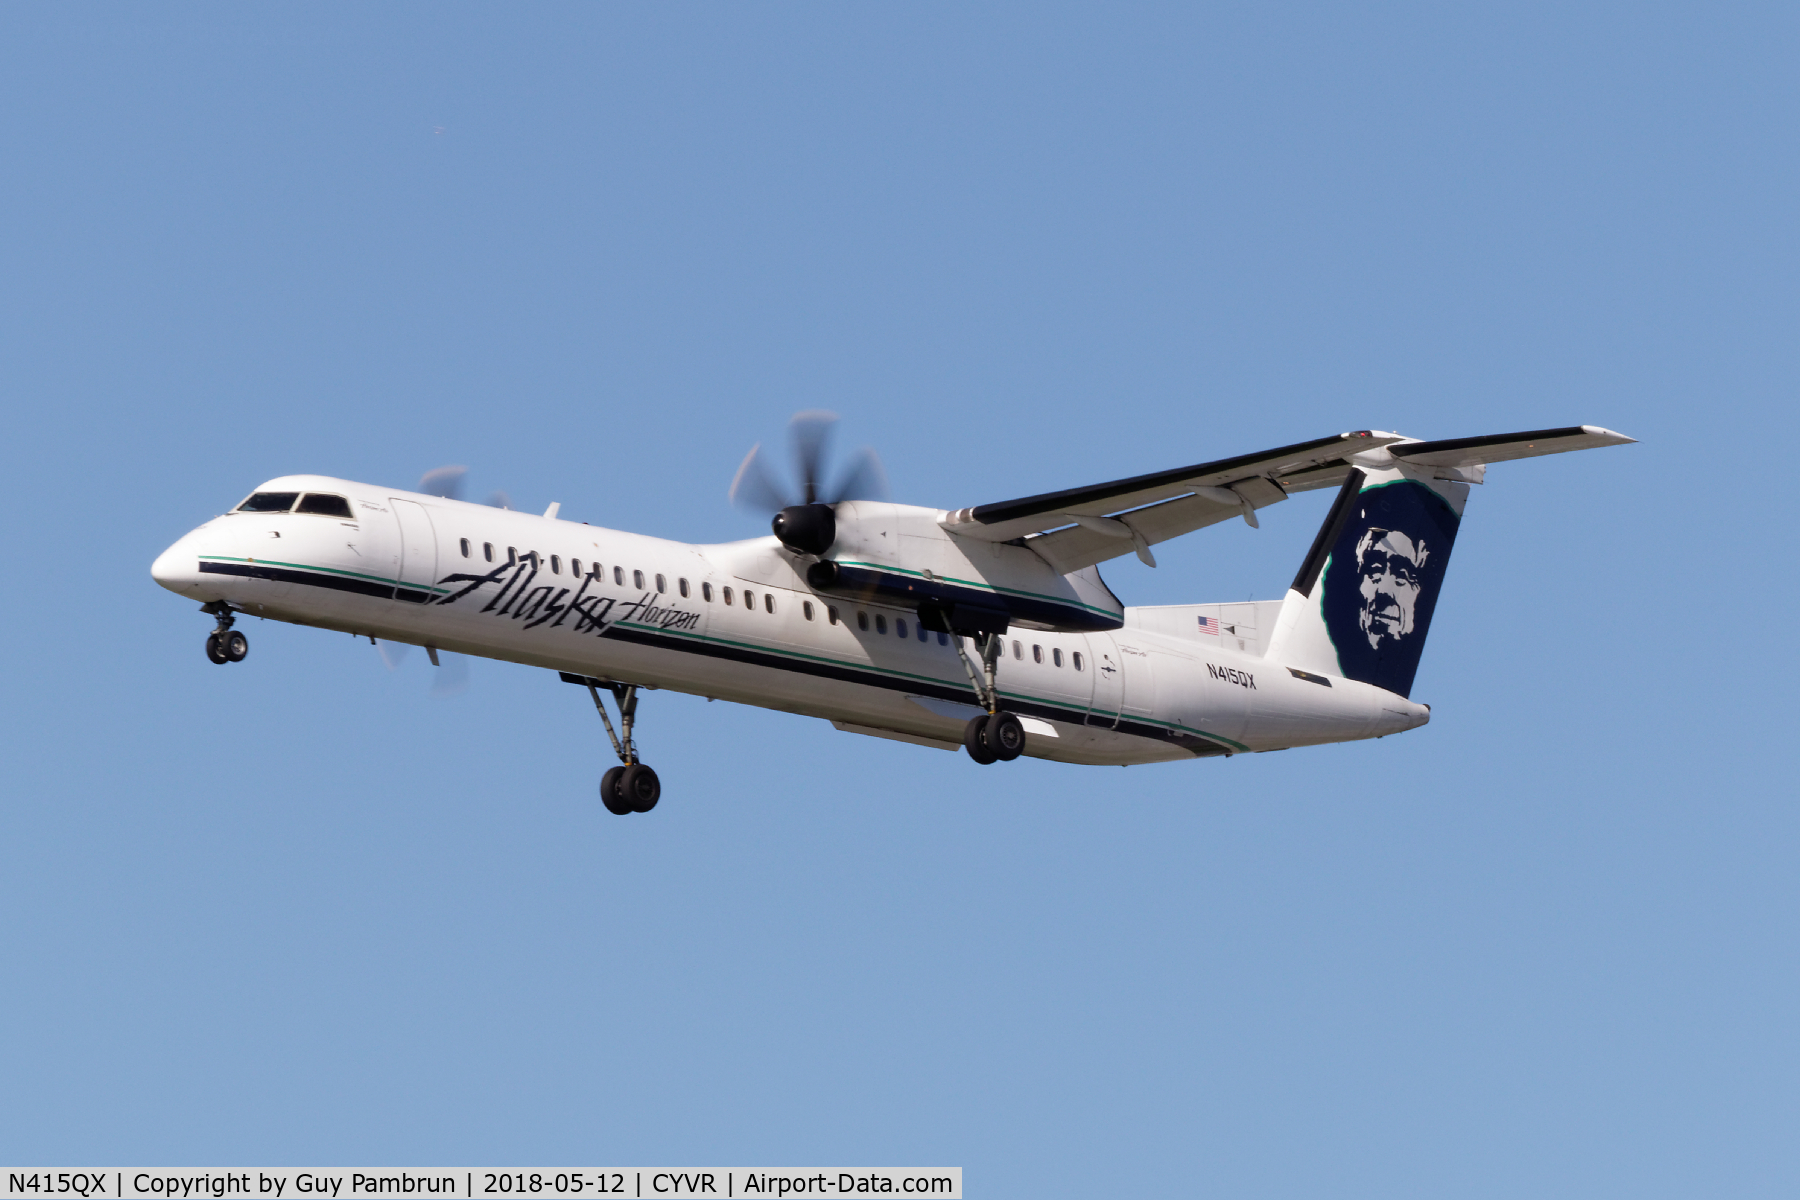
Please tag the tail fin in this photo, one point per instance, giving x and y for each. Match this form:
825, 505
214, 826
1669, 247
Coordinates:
1361, 605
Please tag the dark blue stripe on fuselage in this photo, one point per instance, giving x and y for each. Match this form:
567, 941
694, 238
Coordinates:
336, 583
1193, 743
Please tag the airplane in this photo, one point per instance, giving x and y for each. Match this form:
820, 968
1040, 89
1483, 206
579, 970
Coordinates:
986, 628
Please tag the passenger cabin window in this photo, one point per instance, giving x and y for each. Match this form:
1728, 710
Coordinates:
924, 634
487, 551
267, 502
831, 614
806, 609
1037, 654
661, 584
1076, 659
769, 602
862, 621
320, 504
899, 626
465, 547
943, 639
1018, 652
637, 580
727, 595
706, 592
681, 585
619, 576
556, 564
512, 555
575, 567
749, 599
1056, 656
880, 623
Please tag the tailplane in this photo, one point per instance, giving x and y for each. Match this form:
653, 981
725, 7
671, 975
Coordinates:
1362, 603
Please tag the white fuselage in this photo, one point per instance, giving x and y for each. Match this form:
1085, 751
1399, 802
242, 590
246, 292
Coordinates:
500, 584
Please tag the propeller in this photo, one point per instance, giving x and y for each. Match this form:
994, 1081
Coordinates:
451, 677
448, 483
806, 520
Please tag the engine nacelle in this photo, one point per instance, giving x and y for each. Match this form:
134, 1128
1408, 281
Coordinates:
807, 528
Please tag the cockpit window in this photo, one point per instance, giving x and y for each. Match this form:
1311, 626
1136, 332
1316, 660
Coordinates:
269, 502
325, 506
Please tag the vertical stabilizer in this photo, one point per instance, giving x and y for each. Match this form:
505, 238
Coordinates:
1362, 602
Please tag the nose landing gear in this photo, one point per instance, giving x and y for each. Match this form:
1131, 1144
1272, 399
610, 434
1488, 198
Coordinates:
630, 787
224, 644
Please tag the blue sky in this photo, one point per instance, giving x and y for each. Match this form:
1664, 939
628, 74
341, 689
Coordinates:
304, 912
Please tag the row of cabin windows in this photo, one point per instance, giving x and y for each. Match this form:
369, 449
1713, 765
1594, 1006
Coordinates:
730, 597
768, 602
595, 569
1056, 655
881, 625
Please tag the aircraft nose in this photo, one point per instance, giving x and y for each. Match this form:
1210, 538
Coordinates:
178, 567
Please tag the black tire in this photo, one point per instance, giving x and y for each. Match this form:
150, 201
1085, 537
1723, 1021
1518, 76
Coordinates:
640, 787
610, 795
235, 646
214, 652
1006, 736
975, 740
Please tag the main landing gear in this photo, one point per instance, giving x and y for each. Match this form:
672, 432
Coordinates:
631, 786
994, 736
224, 644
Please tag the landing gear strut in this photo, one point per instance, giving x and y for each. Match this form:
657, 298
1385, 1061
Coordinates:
994, 736
632, 786
224, 644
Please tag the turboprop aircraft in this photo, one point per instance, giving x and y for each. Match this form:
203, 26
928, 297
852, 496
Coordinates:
987, 627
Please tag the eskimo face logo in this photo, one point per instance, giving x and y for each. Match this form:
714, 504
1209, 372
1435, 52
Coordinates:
1390, 565
1382, 581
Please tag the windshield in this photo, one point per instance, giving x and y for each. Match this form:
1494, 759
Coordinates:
269, 502
325, 506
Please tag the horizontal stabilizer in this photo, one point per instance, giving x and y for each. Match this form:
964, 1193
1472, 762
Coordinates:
1504, 447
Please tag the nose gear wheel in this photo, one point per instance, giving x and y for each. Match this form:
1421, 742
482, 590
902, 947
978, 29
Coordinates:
224, 644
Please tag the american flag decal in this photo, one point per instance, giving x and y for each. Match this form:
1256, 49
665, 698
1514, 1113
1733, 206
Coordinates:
1209, 625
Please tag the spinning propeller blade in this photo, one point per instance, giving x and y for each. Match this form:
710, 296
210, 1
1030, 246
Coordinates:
756, 488
450, 672
810, 431
443, 481
448, 483
753, 488
865, 480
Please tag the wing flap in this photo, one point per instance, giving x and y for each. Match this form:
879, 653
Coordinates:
1069, 550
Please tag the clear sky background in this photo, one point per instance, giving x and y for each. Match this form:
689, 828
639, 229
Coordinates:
301, 911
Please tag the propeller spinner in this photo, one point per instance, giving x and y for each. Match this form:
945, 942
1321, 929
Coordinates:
806, 523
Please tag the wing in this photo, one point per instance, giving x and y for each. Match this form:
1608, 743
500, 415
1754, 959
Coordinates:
1082, 526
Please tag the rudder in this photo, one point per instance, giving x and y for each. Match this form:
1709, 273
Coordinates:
1362, 603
